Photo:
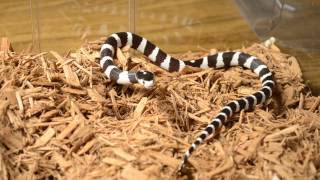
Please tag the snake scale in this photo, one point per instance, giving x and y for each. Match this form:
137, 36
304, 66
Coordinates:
165, 61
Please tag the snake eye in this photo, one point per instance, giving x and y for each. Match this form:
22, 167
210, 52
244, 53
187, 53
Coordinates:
145, 75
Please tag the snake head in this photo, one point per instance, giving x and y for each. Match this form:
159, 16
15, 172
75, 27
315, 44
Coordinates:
146, 78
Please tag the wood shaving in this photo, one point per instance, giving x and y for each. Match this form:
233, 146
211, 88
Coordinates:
62, 118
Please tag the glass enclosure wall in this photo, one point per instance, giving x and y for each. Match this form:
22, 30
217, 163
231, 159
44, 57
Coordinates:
176, 26
179, 26
60, 25
295, 25
16, 22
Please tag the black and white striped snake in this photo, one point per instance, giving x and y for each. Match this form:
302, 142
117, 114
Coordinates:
165, 61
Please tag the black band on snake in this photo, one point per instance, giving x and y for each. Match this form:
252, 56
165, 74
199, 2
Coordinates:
165, 61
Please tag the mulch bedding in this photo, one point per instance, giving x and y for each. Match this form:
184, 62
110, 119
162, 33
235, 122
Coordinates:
61, 118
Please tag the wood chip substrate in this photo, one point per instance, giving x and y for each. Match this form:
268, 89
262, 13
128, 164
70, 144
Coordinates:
62, 118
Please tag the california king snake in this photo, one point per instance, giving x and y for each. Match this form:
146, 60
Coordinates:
165, 61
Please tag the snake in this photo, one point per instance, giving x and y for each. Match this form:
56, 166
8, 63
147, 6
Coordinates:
171, 64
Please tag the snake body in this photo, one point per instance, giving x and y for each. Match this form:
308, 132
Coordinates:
165, 61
